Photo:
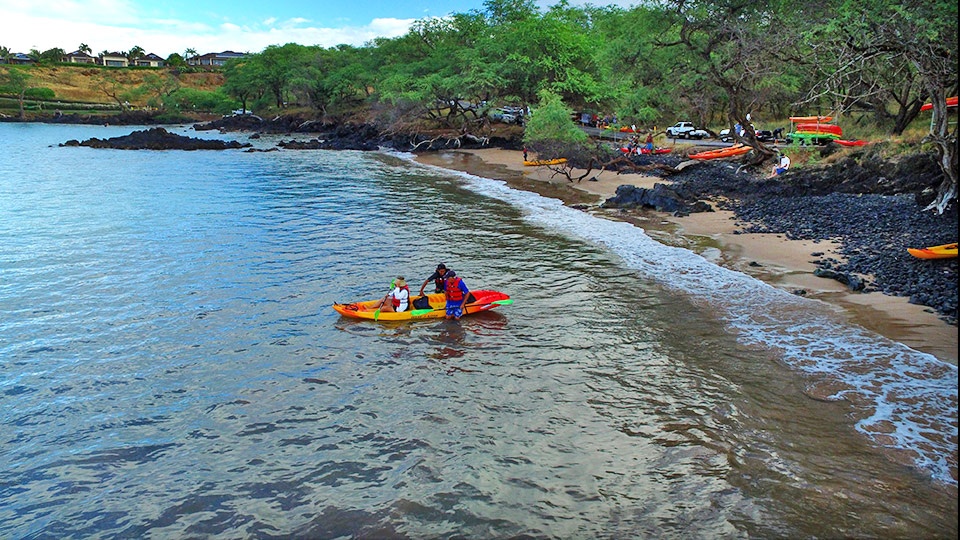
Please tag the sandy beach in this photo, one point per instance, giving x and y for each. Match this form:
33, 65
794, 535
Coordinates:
783, 263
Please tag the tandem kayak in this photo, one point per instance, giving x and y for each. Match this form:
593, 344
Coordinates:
478, 301
722, 153
539, 162
946, 251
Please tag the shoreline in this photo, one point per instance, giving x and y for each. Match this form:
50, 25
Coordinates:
771, 258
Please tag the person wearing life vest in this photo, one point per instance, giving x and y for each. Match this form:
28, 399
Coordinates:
455, 292
438, 278
398, 299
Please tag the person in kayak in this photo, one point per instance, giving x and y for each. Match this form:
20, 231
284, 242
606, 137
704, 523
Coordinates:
438, 278
456, 293
398, 299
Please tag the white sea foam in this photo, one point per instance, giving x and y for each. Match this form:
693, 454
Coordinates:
912, 391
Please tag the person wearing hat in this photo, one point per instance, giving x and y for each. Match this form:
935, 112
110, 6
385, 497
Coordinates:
438, 278
398, 299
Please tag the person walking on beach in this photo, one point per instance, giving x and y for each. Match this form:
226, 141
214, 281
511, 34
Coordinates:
397, 299
438, 278
525, 153
456, 293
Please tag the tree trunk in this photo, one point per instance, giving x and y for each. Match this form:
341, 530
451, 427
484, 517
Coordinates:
946, 143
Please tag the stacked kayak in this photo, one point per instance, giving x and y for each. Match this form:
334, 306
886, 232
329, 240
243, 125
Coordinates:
946, 251
807, 119
735, 150
539, 162
481, 300
814, 129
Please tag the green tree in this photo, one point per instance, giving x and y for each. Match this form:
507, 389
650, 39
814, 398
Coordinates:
84, 48
135, 54
242, 81
18, 82
917, 42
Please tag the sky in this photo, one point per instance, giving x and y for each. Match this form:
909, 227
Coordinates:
163, 27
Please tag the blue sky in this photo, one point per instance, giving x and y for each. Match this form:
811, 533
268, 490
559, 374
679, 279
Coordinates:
167, 26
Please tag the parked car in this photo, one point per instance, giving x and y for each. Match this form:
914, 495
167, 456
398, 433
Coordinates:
686, 130
763, 135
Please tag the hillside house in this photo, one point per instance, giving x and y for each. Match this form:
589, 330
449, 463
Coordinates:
150, 60
114, 59
79, 57
214, 59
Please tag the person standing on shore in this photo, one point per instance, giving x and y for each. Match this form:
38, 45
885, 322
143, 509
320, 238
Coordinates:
456, 293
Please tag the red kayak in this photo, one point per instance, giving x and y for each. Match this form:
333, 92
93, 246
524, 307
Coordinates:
819, 128
843, 142
951, 102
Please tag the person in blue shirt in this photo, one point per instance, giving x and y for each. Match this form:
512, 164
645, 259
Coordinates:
456, 293
438, 278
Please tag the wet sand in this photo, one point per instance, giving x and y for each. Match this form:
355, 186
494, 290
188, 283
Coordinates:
783, 263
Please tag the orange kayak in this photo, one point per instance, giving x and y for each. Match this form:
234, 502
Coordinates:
796, 119
478, 301
946, 251
722, 153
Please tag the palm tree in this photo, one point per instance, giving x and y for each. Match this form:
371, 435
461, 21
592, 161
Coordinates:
188, 54
84, 48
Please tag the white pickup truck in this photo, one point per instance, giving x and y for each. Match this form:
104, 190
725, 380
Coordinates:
686, 130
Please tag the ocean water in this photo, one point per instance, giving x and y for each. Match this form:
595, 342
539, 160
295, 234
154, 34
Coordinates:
170, 365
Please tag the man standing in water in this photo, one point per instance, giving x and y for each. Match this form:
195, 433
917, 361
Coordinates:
456, 293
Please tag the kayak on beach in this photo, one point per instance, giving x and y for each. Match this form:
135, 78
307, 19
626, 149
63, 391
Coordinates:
538, 162
946, 251
722, 153
482, 300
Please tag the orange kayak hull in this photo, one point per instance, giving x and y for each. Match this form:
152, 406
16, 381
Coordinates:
723, 153
946, 251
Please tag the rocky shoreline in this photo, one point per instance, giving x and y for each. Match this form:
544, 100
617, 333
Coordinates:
872, 208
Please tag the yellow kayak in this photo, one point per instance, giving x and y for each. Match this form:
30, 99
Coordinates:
946, 251
535, 163
477, 301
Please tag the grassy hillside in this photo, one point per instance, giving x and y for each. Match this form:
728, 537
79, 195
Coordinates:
77, 83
